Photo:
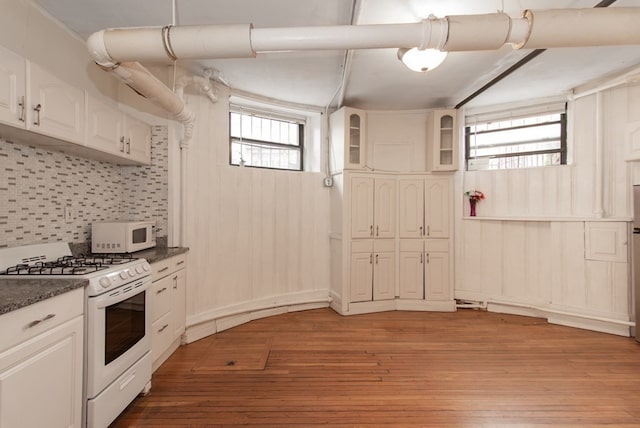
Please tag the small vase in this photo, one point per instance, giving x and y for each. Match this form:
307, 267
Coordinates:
472, 207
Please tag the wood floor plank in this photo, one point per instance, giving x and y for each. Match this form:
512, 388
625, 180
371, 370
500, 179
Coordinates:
405, 369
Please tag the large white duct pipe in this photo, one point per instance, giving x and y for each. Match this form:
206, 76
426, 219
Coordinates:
536, 29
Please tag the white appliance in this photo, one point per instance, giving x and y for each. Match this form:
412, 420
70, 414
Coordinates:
122, 236
117, 337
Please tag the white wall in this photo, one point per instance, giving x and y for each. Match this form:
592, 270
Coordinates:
258, 238
531, 244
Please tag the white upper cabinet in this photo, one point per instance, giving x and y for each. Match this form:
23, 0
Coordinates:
348, 138
111, 131
55, 108
411, 198
12, 88
443, 134
436, 207
373, 207
137, 140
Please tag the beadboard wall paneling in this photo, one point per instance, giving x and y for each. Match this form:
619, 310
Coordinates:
254, 234
37, 184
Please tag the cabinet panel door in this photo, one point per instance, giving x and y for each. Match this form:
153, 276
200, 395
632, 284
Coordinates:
411, 275
56, 108
41, 379
411, 210
436, 205
138, 140
105, 127
437, 276
12, 88
384, 276
178, 302
361, 277
385, 208
361, 207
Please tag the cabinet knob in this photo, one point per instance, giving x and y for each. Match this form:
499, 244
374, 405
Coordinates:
128, 146
36, 322
371, 230
122, 144
376, 258
421, 231
22, 117
377, 230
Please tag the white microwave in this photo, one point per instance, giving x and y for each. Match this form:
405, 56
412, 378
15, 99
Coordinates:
122, 236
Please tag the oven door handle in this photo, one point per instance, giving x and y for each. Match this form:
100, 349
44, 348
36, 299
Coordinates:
121, 294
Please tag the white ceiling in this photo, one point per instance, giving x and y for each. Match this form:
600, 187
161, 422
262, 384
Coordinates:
375, 79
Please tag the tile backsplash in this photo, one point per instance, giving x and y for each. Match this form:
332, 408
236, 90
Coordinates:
37, 184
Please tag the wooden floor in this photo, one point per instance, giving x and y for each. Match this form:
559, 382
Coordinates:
404, 369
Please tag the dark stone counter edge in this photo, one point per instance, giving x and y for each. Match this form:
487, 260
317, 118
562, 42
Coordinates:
18, 293
157, 254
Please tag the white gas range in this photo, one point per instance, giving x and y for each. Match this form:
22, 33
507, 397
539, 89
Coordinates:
117, 356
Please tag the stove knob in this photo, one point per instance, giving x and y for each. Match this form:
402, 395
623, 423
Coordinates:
146, 267
105, 282
123, 274
139, 269
132, 273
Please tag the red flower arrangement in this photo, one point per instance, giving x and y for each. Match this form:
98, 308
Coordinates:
474, 197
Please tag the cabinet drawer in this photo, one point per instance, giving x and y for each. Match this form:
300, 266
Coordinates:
161, 297
168, 266
161, 336
27, 322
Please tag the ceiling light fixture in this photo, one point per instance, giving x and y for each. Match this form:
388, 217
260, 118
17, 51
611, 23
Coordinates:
421, 60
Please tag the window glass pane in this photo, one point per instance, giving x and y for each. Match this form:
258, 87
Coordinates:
516, 143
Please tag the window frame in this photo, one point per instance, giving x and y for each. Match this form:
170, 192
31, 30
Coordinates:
269, 116
562, 150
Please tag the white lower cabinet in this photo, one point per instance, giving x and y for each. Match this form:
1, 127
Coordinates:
373, 267
424, 270
41, 364
168, 307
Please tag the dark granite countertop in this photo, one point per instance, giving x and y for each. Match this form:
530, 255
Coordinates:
154, 255
16, 293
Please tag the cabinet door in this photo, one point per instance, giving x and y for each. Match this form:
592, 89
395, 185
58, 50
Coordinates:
138, 140
105, 127
12, 88
411, 208
361, 277
385, 206
56, 108
354, 138
384, 275
437, 276
41, 379
361, 207
436, 207
411, 274
178, 302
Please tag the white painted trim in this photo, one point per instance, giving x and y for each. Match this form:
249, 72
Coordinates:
212, 326
569, 319
551, 219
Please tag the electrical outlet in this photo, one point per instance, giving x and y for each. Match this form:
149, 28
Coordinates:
68, 214
328, 182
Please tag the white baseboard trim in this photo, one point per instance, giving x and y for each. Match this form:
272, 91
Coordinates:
211, 322
400, 305
560, 317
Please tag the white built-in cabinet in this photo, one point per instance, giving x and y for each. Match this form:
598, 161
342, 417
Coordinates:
112, 131
373, 207
61, 116
56, 109
168, 307
41, 363
12, 88
443, 138
348, 138
396, 244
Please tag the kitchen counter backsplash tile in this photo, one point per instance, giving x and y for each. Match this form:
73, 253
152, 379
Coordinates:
37, 185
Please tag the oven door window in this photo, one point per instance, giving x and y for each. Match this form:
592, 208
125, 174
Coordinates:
124, 325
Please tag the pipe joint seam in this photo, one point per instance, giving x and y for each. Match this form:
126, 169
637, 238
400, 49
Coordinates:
166, 42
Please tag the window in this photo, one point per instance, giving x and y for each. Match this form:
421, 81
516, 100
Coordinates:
260, 140
523, 142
